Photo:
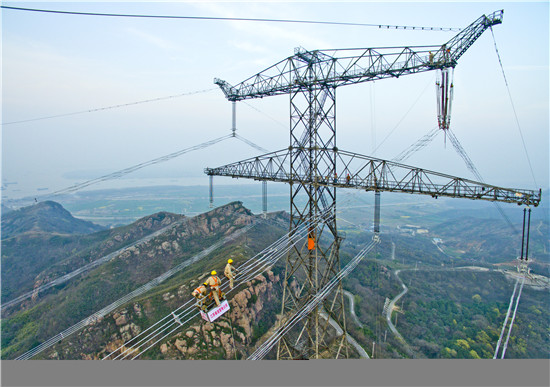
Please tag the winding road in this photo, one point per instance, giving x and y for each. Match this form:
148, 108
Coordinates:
351, 340
352, 308
390, 310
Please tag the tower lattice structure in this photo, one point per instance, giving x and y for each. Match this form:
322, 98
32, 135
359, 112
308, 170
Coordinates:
314, 168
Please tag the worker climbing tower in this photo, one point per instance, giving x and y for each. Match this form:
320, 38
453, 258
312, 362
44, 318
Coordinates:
314, 167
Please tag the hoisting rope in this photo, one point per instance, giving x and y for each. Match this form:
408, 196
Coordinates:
514, 109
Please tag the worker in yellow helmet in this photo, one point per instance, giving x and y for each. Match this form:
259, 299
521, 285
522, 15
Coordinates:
214, 282
230, 272
200, 294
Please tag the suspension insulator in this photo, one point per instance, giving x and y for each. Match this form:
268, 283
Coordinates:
444, 92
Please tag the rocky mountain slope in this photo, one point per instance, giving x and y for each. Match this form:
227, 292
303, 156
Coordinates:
52, 312
46, 216
255, 305
253, 309
32, 259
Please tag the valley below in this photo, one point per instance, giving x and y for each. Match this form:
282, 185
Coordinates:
73, 289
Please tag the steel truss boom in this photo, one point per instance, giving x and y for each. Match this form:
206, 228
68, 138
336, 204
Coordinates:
339, 67
373, 174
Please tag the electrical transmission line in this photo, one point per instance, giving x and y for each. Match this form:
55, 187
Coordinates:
309, 307
248, 270
462, 153
90, 266
123, 172
314, 165
108, 107
381, 26
268, 257
137, 292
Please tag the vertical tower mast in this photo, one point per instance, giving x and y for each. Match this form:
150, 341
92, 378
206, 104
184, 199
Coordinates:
310, 167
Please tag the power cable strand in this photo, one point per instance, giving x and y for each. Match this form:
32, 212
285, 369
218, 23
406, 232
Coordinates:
268, 251
123, 172
242, 280
142, 289
89, 266
513, 318
135, 293
273, 253
233, 19
181, 315
415, 147
264, 349
253, 145
108, 107
299, 232
308, 307
506, 319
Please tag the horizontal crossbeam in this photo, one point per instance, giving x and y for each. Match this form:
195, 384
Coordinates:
372, 174
340, 67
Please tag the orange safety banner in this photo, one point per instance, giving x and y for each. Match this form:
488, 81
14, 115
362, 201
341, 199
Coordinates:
310, 243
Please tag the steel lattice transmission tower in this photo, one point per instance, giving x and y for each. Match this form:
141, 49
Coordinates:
314, 167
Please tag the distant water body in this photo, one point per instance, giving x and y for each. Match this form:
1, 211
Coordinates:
41, 186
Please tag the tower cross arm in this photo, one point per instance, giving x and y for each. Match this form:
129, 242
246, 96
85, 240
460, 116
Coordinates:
371, 174
338, 67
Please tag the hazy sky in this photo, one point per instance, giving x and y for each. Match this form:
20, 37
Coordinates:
55, 64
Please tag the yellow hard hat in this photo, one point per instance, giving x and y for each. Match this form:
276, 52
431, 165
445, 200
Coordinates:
213, 272
230, 261
205, 284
